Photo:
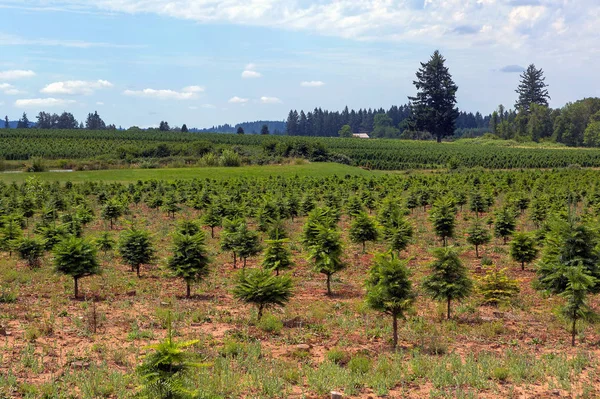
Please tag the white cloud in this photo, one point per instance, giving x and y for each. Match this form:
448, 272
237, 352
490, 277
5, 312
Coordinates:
247, 74
13, 92
440, 23
9, 89
193, 89
42, 102
16, 74
270, 100
99, 103
187, 93
238, 100
76, 87
13, 40
208, 106
312, 83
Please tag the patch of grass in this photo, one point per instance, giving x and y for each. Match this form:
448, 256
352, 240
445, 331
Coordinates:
270, 324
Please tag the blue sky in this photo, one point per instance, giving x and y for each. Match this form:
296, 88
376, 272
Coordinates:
206, 62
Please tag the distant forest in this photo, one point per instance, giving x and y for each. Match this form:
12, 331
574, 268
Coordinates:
328, 123
275, 127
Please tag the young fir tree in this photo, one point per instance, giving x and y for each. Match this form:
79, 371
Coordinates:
523, 249
136, 249
326, 253
111, 211
190, 260
478, 235
398, 233
212, 219
30, 250
579, 284
497, 288
76, 257
568, 244
229, 239
247, 242
449, 279
353, 206
261, 288
10, 233
165, 369
389, 289
434, 107
443, 218
171, 206
105, 242
505, 223
478, 203
363, 229
277, 256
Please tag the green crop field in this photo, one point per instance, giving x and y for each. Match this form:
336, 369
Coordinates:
133, 147
219, 173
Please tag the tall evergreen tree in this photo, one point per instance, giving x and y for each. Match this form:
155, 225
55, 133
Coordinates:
434, 106
6, 124
292, 123
264, 130
532, 89
94, 122
23, 123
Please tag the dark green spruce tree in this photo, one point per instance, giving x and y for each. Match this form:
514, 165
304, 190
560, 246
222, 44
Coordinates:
532, 89
434, 107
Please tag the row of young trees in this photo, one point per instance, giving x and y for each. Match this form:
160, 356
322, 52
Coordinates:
569, 258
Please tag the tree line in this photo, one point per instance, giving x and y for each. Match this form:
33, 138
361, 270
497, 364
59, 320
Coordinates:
64, 121
381, 123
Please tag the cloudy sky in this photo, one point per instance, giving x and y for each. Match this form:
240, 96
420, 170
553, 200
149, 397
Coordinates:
205, 62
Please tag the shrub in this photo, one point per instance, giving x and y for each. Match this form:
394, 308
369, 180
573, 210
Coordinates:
359, 364
230, 158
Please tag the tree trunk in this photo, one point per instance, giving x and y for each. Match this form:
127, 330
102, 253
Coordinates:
439, 139
244, 263
329, 284
523, 265
188, 289
212, 232
111, 224
277, 272
75, 279
477, 250
449, 308
364, 247
395, 329
234, 261
574, 328
137, 269
260, 311
505, 238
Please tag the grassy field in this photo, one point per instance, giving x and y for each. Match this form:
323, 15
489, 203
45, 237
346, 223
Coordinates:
133, 175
